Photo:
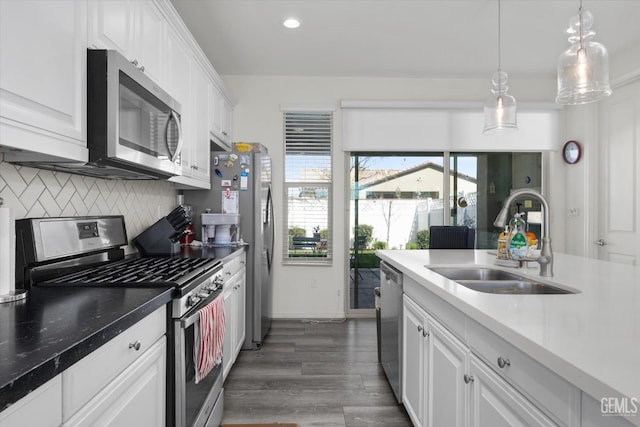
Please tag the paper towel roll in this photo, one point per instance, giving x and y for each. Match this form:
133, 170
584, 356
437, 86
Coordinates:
7, 251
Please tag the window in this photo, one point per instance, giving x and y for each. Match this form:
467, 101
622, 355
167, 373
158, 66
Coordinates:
307, 187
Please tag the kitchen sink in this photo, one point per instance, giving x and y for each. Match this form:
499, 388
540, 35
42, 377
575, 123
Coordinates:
494, 281
456, 274
511, 287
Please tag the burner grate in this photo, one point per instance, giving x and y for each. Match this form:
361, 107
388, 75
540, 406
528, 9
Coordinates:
139, 272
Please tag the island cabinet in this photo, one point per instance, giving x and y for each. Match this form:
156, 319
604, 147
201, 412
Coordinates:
121, 383
234, 293
43, 46
458, 373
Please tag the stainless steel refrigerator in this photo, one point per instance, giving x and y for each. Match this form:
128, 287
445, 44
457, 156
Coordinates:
241, 180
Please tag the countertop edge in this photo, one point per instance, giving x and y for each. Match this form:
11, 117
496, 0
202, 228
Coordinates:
19, 387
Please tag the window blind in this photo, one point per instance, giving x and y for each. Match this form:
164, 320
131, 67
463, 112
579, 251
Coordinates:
308, 186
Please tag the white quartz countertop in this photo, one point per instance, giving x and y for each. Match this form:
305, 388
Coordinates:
591, 339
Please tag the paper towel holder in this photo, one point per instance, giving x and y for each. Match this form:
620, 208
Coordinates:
13, 294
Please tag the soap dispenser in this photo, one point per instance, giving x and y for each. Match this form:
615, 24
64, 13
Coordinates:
518, 248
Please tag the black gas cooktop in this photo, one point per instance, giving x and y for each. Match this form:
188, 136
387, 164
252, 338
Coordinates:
141, 272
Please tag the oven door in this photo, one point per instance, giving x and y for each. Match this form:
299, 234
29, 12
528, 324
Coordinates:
198, 404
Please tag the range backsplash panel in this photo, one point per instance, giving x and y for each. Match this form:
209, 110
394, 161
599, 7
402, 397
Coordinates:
35, 193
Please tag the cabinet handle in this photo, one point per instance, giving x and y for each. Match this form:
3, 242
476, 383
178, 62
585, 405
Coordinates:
468, 378
425, 333
224, 133
141, 68
420, 328
503, 362
135, 62
135, 345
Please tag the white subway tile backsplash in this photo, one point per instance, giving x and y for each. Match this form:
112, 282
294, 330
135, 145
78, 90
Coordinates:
33, 192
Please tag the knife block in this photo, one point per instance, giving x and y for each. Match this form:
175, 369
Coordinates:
159, 239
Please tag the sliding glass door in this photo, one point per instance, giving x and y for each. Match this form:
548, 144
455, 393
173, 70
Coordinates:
396, 197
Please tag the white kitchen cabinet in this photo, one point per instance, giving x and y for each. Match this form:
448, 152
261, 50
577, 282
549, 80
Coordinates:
220, 118
449, 397
495, 403
434, 364
43, 80
40, 408
121, 383
479, 381
415, 353
234, 294
137, 29
136, 397
195, 158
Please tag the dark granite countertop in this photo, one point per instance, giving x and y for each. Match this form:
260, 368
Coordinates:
55, 327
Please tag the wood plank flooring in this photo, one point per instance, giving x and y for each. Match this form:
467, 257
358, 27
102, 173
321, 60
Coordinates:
316, 374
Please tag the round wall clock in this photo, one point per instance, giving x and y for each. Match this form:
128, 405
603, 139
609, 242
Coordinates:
571, 152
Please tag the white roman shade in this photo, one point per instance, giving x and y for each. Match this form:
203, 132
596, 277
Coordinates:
440, 126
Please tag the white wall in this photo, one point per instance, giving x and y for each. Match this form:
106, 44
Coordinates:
580, 186
257, 117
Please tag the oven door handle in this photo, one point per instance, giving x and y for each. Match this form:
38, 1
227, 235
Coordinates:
189, 320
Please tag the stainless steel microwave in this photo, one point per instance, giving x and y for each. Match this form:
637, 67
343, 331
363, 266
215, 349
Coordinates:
133, 125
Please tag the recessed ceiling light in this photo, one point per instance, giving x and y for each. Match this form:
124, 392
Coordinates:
291, 23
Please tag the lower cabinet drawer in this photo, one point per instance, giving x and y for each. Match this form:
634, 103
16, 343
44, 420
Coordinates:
550, 392
40, 408
85, 379
137, 397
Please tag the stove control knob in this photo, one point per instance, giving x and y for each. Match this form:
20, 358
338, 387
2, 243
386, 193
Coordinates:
218, 281
193, 300
203, 294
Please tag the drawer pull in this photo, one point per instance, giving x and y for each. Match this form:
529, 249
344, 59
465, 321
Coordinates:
420, 328
468, 378
503, 362
135, 345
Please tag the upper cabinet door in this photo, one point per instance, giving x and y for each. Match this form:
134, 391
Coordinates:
150, 37
111, 25
137, 29
43, 77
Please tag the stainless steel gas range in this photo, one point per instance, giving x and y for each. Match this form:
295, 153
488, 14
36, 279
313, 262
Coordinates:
87, 251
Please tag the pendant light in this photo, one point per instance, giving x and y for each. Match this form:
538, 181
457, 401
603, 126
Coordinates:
583, 69
500, 109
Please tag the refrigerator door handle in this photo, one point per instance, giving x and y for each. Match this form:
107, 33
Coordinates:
270, 227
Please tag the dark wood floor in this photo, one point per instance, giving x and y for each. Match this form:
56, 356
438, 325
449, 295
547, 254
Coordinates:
314, 374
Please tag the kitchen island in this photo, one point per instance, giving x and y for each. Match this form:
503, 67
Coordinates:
590, 339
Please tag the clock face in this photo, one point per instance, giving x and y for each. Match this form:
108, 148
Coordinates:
571, 152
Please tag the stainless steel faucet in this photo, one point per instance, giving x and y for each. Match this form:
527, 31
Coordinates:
546, 254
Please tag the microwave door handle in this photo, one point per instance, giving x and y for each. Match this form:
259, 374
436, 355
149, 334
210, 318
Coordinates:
174, 155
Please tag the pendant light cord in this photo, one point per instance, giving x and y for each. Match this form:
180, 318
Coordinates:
581, 23
499, 38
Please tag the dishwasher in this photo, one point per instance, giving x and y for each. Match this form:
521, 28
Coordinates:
391, 326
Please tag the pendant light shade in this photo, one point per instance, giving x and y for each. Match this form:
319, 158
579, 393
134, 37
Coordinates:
583, 69
500, 109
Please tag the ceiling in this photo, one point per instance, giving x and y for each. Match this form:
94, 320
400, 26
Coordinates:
398, 38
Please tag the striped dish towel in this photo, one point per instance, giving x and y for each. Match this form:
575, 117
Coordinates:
208, 338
